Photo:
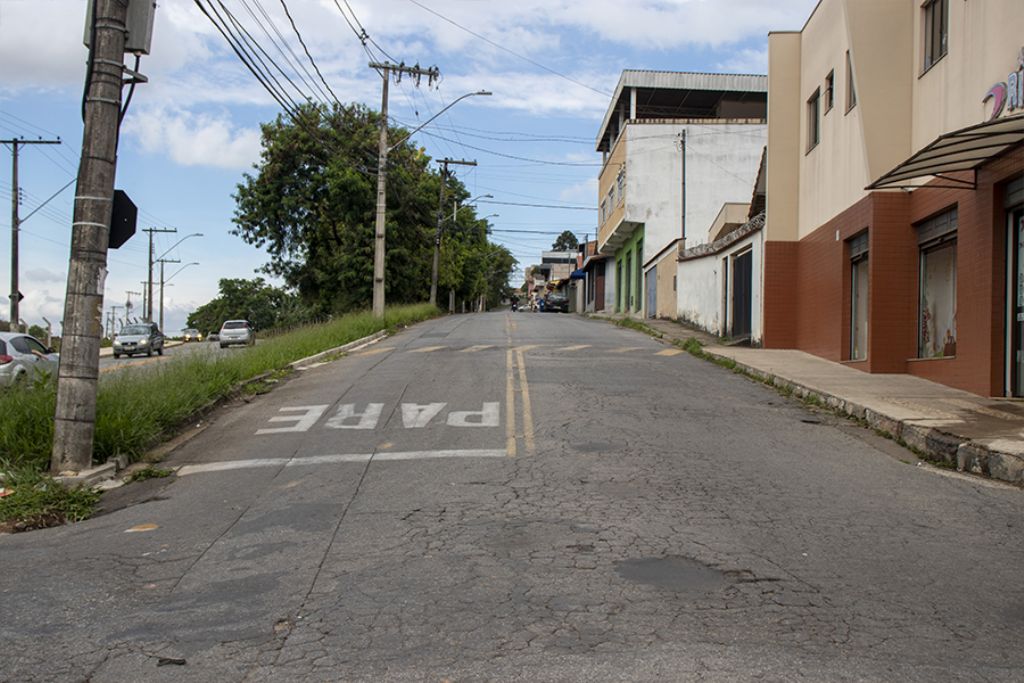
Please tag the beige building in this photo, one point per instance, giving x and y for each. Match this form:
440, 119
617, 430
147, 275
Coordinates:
894, 238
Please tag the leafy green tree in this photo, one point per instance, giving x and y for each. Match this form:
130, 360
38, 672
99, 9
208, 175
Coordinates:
37, 331
312, 204
566, 242
254, 300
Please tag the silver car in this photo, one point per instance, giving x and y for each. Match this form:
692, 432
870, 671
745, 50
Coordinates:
237, 332
139, 338
23, 357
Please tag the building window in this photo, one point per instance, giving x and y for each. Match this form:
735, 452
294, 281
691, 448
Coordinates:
859, 296
851, 89
936, 31
814, 120
621, 184
830, 90
937, 308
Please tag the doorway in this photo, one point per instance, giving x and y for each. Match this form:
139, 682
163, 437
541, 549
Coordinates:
1016, 303
742, 293
652, 293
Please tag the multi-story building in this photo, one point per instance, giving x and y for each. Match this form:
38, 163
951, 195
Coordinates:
675, 146
894, 238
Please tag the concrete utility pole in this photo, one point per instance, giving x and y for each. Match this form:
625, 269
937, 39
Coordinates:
147, 311
440, 223
16, 295
385, 69
78, 373
162, 281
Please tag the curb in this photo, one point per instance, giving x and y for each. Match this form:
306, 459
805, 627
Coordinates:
309, 360
930, 443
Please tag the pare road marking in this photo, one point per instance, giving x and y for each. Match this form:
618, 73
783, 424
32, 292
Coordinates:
577, 347
478, 347
669, 352
336, 459
349, 416
427, 349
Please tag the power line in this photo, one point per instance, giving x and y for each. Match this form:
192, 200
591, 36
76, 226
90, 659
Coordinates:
539, 206
511, 52
293, 61
513, 156
306, 50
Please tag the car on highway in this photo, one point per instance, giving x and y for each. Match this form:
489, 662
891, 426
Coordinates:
139, 338
191, 334
556, 303
23, 358
236, 332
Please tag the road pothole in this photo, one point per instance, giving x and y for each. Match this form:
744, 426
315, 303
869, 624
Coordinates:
675, 573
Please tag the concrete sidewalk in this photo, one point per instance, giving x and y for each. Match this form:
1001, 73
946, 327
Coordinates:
974, 433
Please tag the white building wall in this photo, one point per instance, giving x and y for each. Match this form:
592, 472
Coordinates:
705, 295
722, 160
609, 285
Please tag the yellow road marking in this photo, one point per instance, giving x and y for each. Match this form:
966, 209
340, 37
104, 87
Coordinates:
577, 347
141, 527
478, 347
524, 388
626, 349
510, 406
669, 352
528, 347
426, 349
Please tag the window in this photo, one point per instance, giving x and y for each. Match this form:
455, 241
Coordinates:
830, 90
851, 89
858, 247
936, 31
937, 307
621, 183
814, 120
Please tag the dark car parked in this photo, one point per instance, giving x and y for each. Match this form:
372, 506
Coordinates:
556, 303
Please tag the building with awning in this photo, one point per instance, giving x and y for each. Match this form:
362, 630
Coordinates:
894, 231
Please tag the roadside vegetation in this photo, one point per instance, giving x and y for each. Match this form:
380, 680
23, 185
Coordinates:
136, 410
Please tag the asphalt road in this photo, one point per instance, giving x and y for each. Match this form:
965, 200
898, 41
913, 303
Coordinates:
526, 497
111, 364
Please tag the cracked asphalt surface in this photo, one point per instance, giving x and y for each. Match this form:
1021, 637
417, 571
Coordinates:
665, 519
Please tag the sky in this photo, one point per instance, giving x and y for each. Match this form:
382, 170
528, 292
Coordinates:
192, 131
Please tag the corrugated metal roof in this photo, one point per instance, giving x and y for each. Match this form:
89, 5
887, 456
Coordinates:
680, 80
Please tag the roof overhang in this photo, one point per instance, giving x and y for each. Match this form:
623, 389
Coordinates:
962, 150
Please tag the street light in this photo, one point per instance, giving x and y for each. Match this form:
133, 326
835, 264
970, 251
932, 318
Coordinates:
382, 202
149, 280
471, 201
163, 281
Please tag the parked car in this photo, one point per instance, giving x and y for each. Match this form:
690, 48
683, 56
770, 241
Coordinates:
213, 336
237, 332
191, 334
139, 338
23, 357
556, 303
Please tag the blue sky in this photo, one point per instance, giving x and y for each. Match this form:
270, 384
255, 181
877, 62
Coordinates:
192, 131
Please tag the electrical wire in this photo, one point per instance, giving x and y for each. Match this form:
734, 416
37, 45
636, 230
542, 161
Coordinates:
283, 47
511, 52
306, 50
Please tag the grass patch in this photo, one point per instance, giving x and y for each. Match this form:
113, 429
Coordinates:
37, 501
137, 409
150, 472
639, 327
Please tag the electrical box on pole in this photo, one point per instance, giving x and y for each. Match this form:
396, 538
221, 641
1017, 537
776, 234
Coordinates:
139, 35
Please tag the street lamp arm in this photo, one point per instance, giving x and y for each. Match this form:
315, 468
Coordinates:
195, 234
431, 119
194, 263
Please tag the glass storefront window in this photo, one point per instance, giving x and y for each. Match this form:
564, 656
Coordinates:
937, 312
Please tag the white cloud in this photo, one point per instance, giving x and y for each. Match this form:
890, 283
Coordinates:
746, 61
44, 275
584, 192
191, 139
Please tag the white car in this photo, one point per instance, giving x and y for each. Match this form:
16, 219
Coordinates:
23, 357
237, 332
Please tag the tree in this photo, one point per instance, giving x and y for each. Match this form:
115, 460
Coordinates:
37, 331
254, 300
312, 203
566, 242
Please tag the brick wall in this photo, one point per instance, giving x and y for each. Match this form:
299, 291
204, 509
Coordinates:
780, 301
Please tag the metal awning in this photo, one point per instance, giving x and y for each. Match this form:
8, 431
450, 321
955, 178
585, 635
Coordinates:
961, 150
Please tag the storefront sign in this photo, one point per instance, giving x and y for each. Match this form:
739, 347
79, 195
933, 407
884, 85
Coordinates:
1009, 94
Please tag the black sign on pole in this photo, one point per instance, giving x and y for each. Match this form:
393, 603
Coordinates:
122, 220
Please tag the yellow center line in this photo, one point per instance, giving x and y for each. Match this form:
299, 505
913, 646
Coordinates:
669, 352
510, 406
524, 388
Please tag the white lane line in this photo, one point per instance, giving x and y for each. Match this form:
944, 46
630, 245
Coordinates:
426, 349
577, 347
626, 349
478, 347
340, 458
669, 352
527, 347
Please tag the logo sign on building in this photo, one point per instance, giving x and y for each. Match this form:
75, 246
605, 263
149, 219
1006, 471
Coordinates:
1008, 95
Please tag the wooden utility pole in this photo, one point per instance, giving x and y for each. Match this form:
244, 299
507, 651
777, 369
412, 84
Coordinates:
16, 295
385, 69
78, 373
434, 271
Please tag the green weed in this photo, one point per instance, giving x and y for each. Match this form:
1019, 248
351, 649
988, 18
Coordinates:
150, 472
37, 501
